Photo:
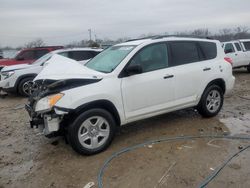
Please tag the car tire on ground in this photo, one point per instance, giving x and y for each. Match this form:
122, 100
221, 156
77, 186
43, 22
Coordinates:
248, 68
24, 86
92, 131
211, 101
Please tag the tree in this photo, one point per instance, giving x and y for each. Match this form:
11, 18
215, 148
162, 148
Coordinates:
201, 32
35, 43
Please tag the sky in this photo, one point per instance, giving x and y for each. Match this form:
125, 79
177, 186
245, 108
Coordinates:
60, 22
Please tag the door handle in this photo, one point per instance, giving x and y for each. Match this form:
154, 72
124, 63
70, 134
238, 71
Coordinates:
168, 76
207, 69
236, 54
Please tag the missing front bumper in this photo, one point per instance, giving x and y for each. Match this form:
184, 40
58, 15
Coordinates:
47, 123
47, 126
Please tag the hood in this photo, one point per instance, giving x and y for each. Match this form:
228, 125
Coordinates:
7, 62
16, 67
63, 68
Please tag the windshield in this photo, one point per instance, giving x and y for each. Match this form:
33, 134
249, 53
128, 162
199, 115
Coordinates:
42, 59
109, 59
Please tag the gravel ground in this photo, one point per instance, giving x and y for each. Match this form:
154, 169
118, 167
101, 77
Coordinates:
28, 159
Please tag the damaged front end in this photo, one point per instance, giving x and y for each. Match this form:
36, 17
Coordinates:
42, 109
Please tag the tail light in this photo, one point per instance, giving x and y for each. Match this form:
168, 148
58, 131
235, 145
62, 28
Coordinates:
229, 60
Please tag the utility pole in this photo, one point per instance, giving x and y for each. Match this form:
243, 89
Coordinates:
90, 33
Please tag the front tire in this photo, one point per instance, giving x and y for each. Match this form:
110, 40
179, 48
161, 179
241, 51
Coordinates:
92, 132
211, 101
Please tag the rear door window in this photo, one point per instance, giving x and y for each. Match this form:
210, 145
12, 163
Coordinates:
237, 45
183, 52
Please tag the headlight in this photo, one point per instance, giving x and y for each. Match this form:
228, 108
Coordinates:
7, 74
48, 102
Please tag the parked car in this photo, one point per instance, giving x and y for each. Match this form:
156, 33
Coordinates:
19, 78
28, 55
239, 52
129, 82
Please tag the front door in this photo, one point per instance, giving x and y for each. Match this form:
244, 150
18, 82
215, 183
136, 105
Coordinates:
152, 91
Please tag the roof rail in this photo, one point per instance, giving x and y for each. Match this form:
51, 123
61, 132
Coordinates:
50, 47
165, 36
151, 37
187, 36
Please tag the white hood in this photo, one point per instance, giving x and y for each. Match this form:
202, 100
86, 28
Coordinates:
62, 68
16, 67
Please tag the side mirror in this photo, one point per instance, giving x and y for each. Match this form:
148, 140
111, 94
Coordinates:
228, 51
133, 69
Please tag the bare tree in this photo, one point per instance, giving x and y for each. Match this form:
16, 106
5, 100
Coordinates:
35, 43
201, 32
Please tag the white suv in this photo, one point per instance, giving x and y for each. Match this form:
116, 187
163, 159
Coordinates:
129, 82
19, 78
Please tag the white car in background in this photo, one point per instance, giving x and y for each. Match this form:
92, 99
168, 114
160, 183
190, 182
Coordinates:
1, 54
239, 52
128, 82
19, 78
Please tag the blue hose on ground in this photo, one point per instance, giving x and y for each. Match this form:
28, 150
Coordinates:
217, 171
172, 139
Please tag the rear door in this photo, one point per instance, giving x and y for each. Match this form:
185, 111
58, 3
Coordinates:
191, 68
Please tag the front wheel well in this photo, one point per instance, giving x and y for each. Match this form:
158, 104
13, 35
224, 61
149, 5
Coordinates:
24, 77
219, 82
103, 104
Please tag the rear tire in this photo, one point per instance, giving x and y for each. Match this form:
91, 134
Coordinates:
92, 131
211, 101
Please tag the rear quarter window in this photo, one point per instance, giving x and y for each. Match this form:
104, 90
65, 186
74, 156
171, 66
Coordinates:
209, 50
